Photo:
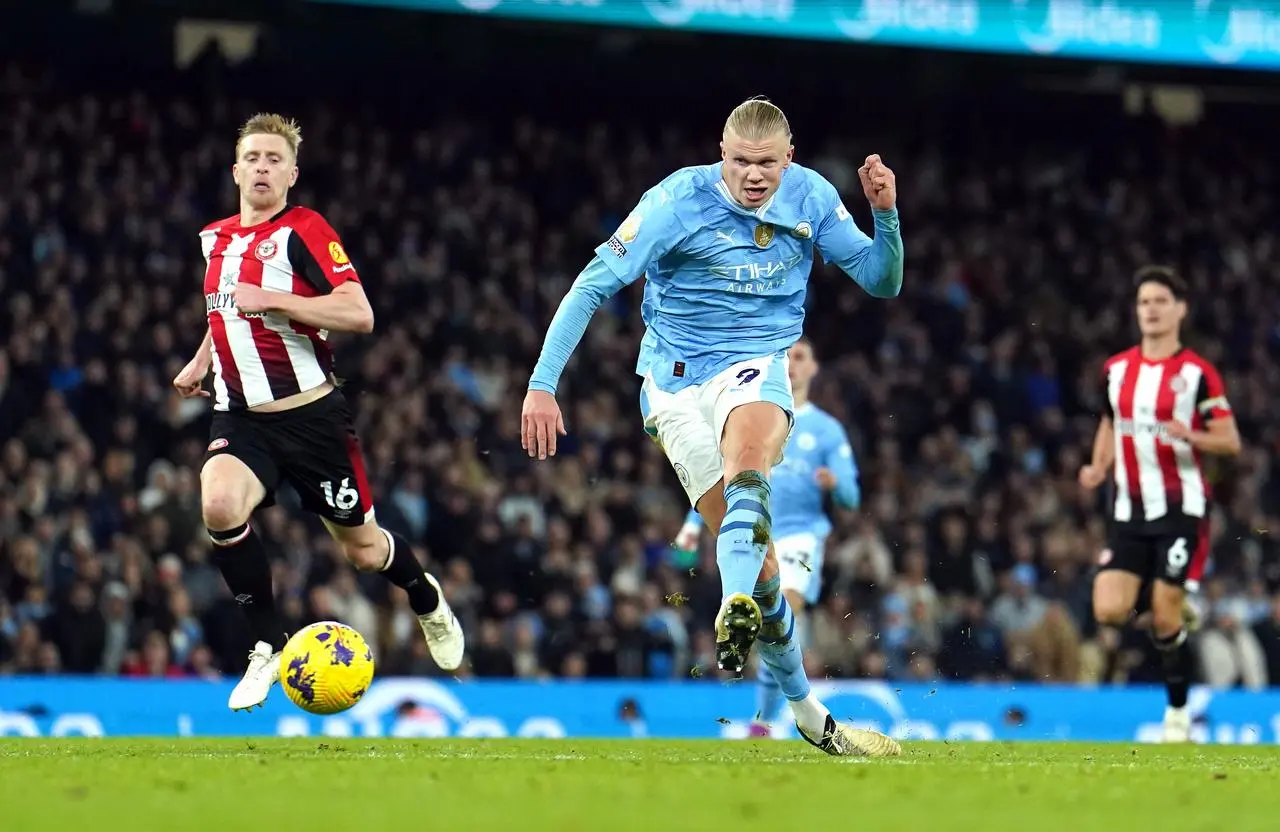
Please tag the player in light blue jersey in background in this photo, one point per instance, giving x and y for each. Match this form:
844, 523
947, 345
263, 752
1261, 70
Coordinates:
818, 462
726, 250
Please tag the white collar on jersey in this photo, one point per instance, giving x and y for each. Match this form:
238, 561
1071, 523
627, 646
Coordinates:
758, 213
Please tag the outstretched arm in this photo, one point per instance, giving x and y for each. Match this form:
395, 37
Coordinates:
594, 286
648, 233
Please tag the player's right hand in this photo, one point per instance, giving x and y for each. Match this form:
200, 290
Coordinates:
1092, 476
190, 382
540, 422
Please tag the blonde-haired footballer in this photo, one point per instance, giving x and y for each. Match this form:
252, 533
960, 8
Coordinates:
277, 282
726, 250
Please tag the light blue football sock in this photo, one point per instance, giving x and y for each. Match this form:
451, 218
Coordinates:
768, 696
779, 648
744, 533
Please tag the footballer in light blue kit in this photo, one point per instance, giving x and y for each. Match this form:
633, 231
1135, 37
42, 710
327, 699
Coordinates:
726, 250
818, 463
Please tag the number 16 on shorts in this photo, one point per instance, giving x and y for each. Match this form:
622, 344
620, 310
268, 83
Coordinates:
344, 499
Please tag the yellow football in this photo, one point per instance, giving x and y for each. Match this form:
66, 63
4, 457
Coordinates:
326, 667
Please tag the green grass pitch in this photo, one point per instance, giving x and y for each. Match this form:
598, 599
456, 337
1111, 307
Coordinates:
316, 785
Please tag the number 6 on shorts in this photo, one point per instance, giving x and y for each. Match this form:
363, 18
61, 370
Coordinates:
1177, 558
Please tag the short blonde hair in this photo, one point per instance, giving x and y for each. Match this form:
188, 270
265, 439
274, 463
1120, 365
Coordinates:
271, 124
757, 119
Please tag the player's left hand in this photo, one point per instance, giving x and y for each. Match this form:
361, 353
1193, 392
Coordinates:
1177, 430
252, 300
826, 479
878, 183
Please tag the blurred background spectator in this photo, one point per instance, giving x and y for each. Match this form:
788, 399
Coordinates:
971, 398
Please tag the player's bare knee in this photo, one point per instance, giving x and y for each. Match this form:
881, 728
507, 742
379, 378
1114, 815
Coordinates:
229, 492
365, 547
364, 555
1111, 616
746, 454
223, 509
753, 436
1111, 610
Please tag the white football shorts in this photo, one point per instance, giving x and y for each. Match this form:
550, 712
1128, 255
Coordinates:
688, 424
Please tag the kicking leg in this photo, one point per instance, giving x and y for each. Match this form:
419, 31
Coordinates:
780, 650
370, 548
783, 660
229, 492
769, 694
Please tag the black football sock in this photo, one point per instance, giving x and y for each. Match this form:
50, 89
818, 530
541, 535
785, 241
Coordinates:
1175, 654
403, 569
240, 556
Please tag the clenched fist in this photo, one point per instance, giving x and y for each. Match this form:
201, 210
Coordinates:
188, 382
878, 183
1092, 476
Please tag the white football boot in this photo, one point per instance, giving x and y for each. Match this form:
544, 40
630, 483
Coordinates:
262, 673
444, 634
840, 740
1177, 725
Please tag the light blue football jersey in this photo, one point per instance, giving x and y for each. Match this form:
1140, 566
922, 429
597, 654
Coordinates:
817, 441
724, 283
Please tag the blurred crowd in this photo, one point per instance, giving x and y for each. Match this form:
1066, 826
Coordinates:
971, 399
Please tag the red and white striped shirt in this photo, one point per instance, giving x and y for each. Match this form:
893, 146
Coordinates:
266, 357
1157, 476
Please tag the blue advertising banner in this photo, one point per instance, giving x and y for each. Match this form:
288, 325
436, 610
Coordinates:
1230, 33
408, 707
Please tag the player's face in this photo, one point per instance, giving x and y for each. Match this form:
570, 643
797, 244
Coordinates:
753, 170
1159, 312
265, 170
802, 366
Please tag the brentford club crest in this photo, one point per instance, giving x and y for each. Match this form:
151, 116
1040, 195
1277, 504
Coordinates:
266, 249
1178, 385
